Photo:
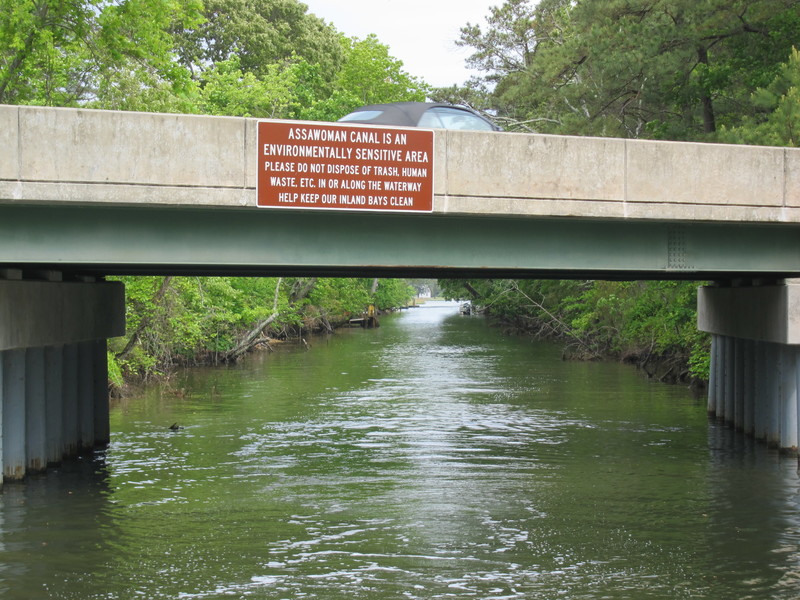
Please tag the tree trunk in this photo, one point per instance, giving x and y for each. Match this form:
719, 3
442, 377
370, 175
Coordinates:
251, 339
709, 120
301, 288
145, 322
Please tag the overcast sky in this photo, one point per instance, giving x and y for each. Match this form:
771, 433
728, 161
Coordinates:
421, 33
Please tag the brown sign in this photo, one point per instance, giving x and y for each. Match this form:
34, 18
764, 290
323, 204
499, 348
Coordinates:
345, 167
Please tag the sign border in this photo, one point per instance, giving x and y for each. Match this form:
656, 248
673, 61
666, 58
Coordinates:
358, 125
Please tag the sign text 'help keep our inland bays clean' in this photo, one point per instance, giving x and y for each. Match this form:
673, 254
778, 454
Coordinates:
332, 166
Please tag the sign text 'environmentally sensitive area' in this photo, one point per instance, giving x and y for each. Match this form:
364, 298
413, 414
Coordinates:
332, 166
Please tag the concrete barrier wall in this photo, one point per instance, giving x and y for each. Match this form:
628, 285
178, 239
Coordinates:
43, 313
769, 313
86, 156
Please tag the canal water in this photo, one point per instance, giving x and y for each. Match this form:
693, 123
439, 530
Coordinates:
431, 458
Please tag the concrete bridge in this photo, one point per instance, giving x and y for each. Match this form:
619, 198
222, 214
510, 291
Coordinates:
85, 194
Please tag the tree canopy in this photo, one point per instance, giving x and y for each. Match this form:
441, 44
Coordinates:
668, 69
259, 58
699, 70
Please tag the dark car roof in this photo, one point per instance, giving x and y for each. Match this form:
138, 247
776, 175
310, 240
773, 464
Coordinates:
405, 114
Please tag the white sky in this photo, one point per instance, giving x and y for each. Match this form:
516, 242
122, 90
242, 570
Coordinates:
421, 33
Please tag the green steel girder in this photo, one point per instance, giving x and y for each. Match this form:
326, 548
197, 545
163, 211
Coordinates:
105, 240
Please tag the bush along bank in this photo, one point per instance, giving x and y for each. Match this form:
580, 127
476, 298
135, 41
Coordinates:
649, 324
179, 321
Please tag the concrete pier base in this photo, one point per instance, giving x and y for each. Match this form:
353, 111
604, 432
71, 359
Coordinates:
755, 359
53, 369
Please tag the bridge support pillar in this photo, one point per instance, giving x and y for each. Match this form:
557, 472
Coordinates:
54, 402
755, 359
102, 428
69, 381
13, 414
85, 396
35, 416
788, 398
749, 392
713, 376
53, 369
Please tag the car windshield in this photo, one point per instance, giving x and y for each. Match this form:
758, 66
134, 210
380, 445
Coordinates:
362, 115
442, 117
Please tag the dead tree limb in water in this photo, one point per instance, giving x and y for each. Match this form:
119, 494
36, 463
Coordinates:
558, 323
253, 337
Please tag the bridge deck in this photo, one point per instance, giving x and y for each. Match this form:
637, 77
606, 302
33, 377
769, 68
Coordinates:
111, 192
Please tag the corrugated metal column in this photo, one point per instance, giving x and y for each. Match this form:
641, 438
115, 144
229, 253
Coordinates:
86, 395
788, 399
760, 414
35, 423
730, 379
102, 428
2, 393
712, 376
750, 357
54, 402
774, 387
69, 414
722, 377
13, 414
738, 384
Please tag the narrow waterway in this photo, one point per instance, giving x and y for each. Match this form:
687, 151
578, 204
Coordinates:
430, 458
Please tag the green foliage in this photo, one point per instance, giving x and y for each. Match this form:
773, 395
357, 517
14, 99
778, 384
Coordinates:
68, 53
116, 379
663, 69
191, 320
260, 34
777, 121
260, 58
635, 321
227, 90
368, 75
341, 297
631, 68
371, 75
392, 293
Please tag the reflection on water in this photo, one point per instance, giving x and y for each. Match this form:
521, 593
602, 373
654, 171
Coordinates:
431, 458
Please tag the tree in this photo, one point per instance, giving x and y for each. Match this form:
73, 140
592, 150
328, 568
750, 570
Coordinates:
58, 53
651, 324
227, 90
259, 33
776, 121
368, 75
633, 68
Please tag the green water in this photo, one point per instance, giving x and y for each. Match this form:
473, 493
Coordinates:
430, 458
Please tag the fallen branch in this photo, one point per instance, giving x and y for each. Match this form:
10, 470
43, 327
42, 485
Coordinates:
253, 337
566, 329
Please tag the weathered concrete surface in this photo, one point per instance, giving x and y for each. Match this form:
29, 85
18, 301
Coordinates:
768, 313
122, 158
43, 313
